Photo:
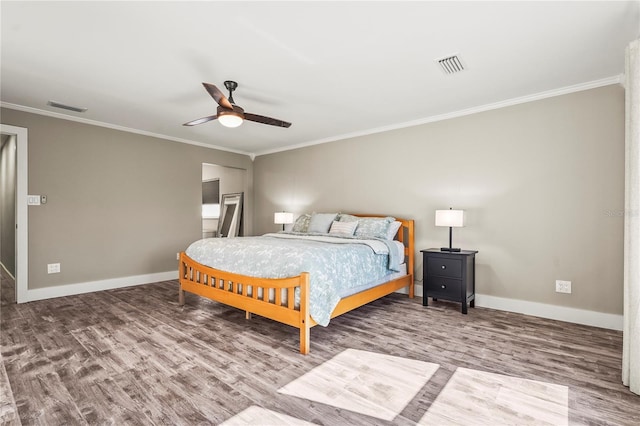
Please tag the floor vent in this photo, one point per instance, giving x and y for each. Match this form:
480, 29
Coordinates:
450, 64
67, 107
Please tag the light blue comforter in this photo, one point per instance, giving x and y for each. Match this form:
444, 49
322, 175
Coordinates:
333, 267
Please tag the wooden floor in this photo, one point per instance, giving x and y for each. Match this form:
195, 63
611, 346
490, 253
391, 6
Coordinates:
133, 356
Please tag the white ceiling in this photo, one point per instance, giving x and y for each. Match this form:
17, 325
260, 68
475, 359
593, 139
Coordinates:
333, 69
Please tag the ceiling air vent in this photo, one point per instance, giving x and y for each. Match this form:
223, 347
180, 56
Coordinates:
450, 64
67, 107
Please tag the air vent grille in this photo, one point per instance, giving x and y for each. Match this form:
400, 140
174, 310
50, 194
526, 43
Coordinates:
451, 64
67, 107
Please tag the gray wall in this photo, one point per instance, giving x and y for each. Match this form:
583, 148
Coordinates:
8, 203
542, 185
119, 204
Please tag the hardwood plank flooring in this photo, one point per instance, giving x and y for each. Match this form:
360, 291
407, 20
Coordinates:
133, 356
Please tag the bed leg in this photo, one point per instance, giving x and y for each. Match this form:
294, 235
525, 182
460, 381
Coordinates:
305, 318
304, 339
411, 288
180, 296
247, 315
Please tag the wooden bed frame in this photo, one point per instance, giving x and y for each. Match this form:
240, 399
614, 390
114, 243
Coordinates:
252, 294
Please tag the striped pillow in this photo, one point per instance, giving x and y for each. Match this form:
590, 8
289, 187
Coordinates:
347, 228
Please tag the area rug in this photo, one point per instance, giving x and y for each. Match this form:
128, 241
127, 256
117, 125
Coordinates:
258, 416
482, 398
369, 383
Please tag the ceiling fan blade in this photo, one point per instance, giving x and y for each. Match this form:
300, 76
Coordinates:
265, 120
217, 95
201, 120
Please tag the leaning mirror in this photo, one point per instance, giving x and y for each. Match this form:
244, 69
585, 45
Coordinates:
230, 222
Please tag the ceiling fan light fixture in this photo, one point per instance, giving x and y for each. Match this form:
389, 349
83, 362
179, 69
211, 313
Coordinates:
231, 117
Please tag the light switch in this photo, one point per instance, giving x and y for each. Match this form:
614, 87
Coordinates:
53, 268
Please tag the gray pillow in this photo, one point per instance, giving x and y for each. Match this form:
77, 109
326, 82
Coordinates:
347, 218
302, 223
321, 222
393, 230
373, 227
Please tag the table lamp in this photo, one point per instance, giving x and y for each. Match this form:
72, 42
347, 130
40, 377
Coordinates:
283, 218
451, 218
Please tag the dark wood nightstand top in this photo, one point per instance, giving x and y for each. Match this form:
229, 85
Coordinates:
461, 252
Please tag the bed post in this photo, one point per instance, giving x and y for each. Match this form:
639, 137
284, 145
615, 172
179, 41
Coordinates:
305, 319
181, 275
411, 259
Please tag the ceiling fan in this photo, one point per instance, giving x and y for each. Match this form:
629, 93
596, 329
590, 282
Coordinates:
229, 114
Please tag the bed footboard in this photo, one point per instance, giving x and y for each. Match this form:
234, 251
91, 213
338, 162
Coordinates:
270, 298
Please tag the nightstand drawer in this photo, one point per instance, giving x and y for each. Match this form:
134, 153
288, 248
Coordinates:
444, 267
445, 288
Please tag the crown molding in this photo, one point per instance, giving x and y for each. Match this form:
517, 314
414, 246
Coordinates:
117, 127
617, 79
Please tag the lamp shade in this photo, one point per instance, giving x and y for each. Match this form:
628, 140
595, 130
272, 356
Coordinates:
282, 218
450, 218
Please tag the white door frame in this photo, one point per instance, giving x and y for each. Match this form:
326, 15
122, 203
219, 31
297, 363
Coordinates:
22, 248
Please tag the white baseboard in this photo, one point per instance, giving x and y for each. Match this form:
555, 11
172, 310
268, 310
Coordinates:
561, 313
89, 287
555, 312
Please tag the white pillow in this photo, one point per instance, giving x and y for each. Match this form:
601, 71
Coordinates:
347, 228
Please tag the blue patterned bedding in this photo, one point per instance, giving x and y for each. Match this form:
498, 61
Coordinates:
335, 264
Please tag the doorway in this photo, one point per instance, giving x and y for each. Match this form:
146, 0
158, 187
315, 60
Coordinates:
218, 181
13, 218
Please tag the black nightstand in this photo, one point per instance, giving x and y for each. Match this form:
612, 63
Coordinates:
449, 276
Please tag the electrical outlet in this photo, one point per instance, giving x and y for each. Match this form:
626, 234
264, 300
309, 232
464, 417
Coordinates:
178, 256
53, 268
563, 286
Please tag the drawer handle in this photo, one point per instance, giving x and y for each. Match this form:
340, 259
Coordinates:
444, 267
443, 286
